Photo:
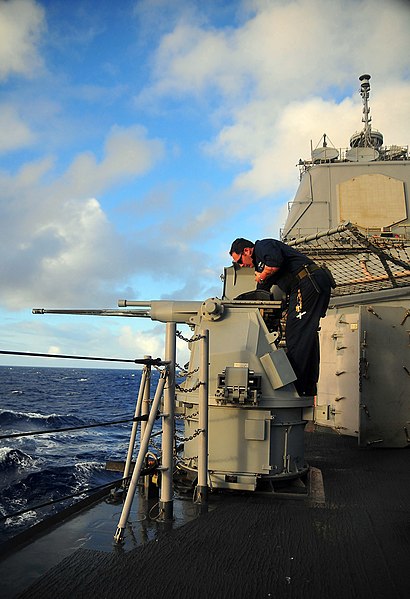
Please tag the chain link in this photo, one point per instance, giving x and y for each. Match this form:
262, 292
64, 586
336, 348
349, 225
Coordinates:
195, 434
155, 446
185, 372
191, 416
194, 388
195, 338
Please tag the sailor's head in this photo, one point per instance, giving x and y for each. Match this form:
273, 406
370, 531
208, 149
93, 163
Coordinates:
242, 252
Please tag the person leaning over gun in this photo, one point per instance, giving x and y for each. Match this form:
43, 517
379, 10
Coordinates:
308, 287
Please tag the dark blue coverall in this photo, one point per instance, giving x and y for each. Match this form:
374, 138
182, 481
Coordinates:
308, 288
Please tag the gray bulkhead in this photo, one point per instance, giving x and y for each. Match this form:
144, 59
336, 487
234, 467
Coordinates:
372, 195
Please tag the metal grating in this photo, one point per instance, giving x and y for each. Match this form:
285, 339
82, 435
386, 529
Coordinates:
359, 263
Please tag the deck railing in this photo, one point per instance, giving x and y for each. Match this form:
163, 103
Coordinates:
146, 413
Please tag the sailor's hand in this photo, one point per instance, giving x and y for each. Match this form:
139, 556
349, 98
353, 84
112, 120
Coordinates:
268, 271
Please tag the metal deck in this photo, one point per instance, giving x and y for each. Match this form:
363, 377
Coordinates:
353, 542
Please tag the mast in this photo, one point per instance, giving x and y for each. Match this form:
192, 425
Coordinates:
366, 138
364, 92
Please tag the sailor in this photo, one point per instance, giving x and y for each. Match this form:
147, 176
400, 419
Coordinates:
307, 287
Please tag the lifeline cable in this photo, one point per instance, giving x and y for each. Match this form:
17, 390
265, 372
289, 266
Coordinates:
144, 472
53, 501
145, 361
144, 417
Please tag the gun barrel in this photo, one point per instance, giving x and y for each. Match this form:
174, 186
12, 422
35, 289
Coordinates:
165, 310
139, 313
124, 303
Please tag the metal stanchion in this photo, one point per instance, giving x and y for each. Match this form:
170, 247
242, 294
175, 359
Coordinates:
119, 535
144, 411
166, 503
201, 495
135, 424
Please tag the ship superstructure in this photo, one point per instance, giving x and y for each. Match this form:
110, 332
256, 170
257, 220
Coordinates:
366, 184
351, 213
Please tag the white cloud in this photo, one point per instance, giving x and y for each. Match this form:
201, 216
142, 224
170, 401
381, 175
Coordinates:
59, 247
273, 160
54, 349
56, 241
15, 134
150, 342
22, 23
284, 49
263, 83
128, 153
147, 342
268, 79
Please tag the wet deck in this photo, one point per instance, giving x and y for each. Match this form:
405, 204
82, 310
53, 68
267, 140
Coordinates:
352, 543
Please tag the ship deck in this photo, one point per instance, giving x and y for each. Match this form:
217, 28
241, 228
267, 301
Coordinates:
349, 538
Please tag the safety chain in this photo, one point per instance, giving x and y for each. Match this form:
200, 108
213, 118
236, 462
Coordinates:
196, 338
194, 388
155, 446
195, 434
184, 372
190, 417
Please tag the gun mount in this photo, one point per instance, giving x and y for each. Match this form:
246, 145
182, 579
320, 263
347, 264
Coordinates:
256, 417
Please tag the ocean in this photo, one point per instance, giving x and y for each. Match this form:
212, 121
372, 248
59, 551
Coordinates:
40, 468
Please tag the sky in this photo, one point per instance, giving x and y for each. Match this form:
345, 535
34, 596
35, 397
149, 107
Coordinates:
138, 138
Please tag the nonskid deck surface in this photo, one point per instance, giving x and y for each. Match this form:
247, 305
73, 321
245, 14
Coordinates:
354, 544
22, 562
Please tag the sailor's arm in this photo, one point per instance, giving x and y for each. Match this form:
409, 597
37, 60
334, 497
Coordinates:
267, 271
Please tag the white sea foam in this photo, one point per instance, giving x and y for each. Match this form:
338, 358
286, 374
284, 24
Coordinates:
30, 414
4, 451
29, 518
15, 456
86, 467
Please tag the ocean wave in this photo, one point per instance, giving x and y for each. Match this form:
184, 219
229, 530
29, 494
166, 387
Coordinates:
23, 520
51, 484
14, 458
47, 484
14, 419
41, 468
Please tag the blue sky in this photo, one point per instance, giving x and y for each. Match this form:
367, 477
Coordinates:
138, 138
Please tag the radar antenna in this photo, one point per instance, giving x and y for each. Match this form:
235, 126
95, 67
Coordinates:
365, 145
364, 92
